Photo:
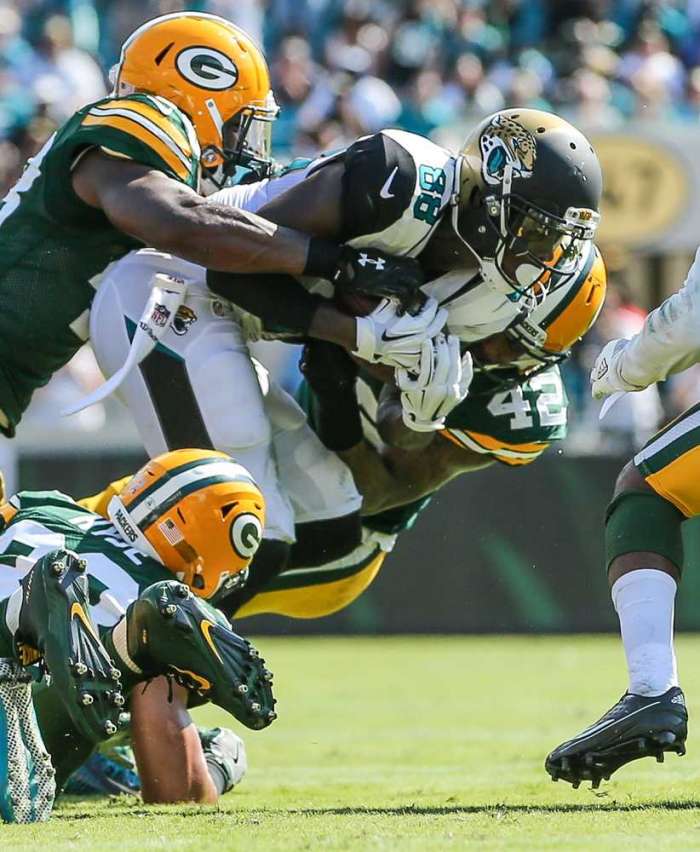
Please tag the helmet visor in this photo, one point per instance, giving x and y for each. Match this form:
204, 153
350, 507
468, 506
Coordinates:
537, 247
247, 138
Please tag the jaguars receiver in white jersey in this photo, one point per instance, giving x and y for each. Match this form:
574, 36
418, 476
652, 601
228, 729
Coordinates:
490, 223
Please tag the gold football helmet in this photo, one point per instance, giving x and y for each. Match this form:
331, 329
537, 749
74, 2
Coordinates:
198, 512
216, 74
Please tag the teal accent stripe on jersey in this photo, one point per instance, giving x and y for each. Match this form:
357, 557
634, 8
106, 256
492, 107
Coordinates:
131, 328
178, 495
303, 580
573, 292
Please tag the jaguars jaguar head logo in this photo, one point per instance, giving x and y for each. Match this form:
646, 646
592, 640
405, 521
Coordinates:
184, 318
503, 141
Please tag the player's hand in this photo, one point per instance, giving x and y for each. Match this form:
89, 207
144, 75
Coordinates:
328, 368
606, 378
387, 337
441, 384
376, 273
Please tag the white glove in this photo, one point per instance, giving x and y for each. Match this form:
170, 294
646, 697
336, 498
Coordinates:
385, 337
442, 383
606, 378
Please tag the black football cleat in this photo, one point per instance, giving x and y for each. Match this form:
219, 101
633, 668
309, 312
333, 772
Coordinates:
170, 631
637, 726
55, 624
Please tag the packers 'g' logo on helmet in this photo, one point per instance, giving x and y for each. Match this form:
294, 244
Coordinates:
246, 533
198, 512
207, 68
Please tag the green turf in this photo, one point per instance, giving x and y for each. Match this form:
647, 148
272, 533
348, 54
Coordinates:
417, 744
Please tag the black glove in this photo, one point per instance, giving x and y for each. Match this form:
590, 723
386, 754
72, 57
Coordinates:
376, 273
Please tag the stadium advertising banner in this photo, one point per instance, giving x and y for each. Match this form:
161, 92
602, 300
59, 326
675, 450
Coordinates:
651, 198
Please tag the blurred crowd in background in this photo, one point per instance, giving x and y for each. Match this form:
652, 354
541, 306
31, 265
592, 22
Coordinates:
343, 68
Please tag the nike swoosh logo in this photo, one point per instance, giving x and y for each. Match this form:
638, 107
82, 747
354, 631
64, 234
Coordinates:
76, 611
384, 191
205, 627
387, 337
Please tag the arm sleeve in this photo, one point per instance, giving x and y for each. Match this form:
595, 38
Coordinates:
279, 301
378, 185
670, 339
139, 128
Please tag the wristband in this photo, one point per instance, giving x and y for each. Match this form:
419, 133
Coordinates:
322, 258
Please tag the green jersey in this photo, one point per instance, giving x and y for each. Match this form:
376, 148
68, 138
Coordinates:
47, 520
512, 426
54, 247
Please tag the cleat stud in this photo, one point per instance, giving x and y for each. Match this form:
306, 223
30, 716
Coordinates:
576, 784
81, 565
254, 653
680, 751
242, 688
182, 591
659, 757
271, 716
267, 675
80, 668
595, 782
109, 727
255, 707
86, 699
57, 568
118, 699
115, 674
169, 610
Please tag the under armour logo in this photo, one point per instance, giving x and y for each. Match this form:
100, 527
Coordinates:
378, 262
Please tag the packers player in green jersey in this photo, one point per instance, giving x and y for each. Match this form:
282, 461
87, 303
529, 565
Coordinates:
183, 528
192, 101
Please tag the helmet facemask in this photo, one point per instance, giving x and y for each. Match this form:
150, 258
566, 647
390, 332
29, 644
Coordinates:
246, 142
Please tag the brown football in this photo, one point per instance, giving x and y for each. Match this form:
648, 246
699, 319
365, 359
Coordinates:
356, 304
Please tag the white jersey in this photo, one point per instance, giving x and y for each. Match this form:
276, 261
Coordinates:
670, 338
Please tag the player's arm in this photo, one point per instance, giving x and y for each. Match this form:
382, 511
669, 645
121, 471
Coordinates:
392, 477
167, 748
166, 214
669, 342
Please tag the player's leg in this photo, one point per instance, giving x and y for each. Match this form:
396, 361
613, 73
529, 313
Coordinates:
198, 388
654, 494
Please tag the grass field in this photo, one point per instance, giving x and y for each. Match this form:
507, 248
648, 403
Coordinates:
417, 744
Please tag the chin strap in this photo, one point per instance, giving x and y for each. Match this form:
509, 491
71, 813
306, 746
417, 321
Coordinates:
167, 294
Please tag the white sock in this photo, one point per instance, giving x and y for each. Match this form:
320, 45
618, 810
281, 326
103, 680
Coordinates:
644, 601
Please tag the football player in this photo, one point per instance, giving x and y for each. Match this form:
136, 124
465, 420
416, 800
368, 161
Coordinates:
191, 101
514, 211
182, 529
515, 409
654, 493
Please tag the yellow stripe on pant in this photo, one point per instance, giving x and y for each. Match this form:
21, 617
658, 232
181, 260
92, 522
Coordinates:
317, 600
670, 462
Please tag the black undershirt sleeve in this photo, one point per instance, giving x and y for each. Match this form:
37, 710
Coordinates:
280, 301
